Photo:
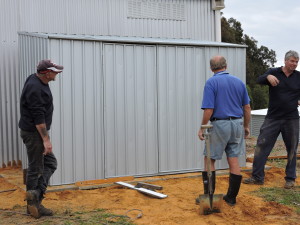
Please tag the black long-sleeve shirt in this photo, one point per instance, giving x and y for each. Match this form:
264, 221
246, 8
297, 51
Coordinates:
283, 98
36, 104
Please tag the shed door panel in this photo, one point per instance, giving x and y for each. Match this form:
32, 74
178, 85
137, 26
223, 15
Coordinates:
180, 89
130, 111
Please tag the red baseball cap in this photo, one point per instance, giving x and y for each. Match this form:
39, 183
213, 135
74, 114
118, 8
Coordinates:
46, 64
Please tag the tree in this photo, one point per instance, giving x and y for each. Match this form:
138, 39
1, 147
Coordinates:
258, 60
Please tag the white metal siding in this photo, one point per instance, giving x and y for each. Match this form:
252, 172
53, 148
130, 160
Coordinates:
110, 17
182, 72
9, 95
95, 17
125, 109
77, 129
256, 122
180, 86
130, 110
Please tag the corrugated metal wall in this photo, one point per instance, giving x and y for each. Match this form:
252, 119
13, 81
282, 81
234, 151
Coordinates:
127, 109
9, 81
256, 122
77, 130
112, 17
130, 117
194, 19
182, 72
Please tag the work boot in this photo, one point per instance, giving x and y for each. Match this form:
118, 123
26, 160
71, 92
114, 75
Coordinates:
33, 203
252, 180
289, 184
233, 189
42, 209
205, 184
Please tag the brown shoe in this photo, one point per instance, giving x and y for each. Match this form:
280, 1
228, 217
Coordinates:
32, 197
252, 180
289, 184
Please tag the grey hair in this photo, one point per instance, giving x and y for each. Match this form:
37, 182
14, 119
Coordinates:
291, 53
217, 63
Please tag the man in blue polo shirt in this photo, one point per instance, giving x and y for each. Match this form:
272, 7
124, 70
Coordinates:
282, 117
227, 105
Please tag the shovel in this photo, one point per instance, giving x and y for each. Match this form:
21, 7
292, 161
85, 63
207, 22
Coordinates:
209, 203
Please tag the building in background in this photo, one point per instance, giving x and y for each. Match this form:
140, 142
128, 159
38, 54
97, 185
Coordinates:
128, 101
257, 119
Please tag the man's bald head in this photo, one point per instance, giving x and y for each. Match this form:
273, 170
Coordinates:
218, 63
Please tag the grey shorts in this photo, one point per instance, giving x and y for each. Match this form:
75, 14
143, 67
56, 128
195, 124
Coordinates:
228, 136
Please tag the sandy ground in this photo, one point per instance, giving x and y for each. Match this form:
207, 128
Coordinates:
178, 208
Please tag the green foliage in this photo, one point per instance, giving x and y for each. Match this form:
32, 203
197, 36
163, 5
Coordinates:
260, 96
249, 93
258, 60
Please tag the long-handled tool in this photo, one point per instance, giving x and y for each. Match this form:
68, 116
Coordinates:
209, 203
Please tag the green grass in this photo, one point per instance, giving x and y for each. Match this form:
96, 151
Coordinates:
288, 197
280, 163
99, 216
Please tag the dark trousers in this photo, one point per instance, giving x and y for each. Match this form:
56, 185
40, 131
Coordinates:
40, 167
269, 132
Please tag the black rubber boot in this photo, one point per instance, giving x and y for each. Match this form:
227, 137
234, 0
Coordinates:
205, 183
233, 189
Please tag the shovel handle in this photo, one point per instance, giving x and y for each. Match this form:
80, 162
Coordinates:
207, 142
207, 126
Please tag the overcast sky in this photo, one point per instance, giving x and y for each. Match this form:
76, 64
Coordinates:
273, 23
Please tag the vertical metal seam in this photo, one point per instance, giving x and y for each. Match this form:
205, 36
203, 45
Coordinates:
95, 100
115, 109
61, 113
167, 105
104, 122
145, 108
74, 155
136, 113
156, 61
84, 114
176, 103
125, 108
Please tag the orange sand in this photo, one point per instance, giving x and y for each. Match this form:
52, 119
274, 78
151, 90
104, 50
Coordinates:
178, 208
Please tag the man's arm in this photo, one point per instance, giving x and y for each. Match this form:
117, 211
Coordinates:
206, 117
247, 116
45, 136
268, 79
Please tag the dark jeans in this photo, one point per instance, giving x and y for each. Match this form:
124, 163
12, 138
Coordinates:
40, 167
269, 132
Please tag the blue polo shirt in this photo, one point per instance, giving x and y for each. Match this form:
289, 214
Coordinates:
226, 94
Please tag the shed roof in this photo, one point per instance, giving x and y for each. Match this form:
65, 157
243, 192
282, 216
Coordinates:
140, 40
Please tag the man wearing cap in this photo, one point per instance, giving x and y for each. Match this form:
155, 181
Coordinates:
36, 109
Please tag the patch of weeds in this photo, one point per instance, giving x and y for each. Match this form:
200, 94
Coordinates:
67, 223
98, 216
17, 206
280, 163
48, 222
289, 197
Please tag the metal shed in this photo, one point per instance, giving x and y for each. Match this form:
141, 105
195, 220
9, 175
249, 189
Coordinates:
125, 105
181, 19
257, 119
